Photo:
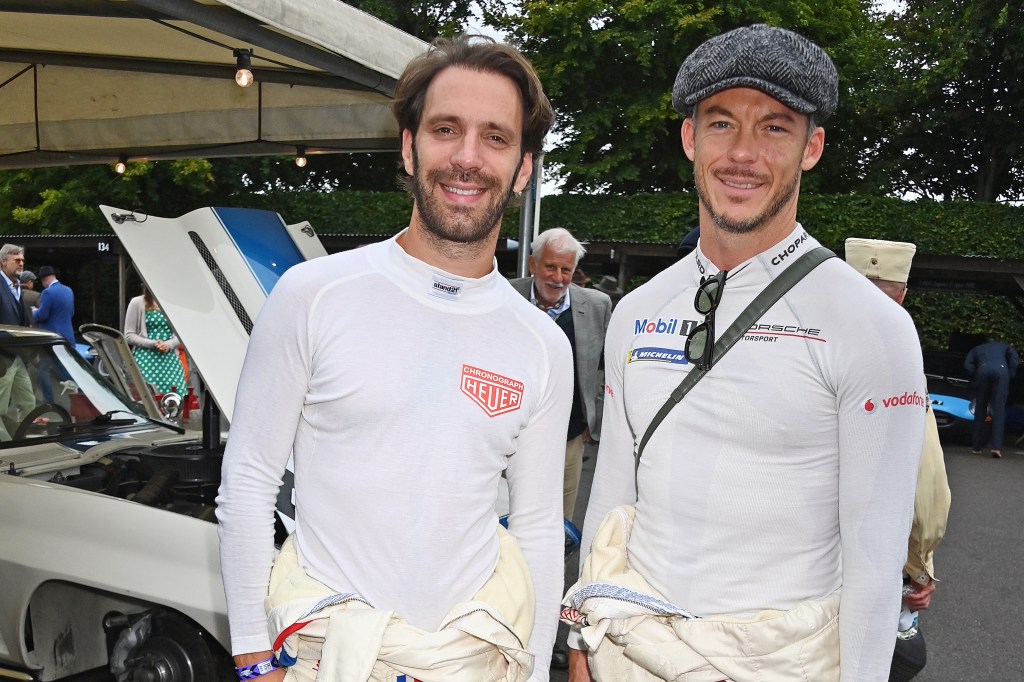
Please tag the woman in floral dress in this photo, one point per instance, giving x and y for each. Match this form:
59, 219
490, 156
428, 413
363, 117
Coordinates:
154, 345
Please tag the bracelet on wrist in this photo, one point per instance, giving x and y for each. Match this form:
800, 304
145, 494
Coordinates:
251, 672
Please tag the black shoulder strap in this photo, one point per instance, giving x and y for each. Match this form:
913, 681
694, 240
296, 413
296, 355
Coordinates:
753, 312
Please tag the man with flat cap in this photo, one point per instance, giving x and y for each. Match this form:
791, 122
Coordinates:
887, 265
29, 295
756, 528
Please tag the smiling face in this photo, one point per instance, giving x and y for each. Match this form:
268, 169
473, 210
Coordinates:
466, 158
748, 151
552, 273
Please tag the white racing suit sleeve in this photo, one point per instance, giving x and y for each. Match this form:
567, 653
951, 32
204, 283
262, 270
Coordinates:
881, 403
535, 503
266, 414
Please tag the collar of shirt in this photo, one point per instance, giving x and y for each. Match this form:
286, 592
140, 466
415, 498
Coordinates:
557, 309
14, 286
763, 267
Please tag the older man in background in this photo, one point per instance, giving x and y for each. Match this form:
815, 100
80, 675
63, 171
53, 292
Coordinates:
887, 265
16, 395
583, 315
28, 289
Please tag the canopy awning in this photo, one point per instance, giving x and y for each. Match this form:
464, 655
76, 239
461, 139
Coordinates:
90, 81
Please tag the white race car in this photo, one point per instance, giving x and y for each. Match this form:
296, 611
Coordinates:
108, 543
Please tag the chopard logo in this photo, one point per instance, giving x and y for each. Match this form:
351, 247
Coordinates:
789, 250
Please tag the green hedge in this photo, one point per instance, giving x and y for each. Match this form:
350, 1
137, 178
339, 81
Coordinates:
938, 228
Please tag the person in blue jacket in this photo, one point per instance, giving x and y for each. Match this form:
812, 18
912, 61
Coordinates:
991, 365
56, 305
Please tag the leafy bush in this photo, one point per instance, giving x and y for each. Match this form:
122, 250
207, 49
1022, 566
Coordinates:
938, 228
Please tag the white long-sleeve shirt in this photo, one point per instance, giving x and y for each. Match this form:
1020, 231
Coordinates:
404, 392
789, 470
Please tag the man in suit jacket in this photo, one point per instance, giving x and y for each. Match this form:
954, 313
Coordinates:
583, 315
29, 295
56, 305
12, 308
15, 385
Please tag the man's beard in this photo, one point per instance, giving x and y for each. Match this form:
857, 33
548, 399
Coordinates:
459, 224
726, 224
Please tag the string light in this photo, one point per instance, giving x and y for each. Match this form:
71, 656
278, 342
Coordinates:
122, 164
243, 76
300, 157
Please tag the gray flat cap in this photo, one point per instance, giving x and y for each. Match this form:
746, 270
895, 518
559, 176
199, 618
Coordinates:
774, 60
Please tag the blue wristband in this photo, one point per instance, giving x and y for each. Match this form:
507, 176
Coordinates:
251, 672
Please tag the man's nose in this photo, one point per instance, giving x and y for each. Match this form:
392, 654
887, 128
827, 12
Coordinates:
744, 147
466, 155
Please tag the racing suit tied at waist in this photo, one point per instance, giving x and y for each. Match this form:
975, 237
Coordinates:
331, 636
634, 635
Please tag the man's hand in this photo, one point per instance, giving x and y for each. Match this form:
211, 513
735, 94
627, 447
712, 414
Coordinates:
243, 660
921, 597
579, 669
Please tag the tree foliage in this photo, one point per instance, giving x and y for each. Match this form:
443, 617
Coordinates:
956, 104
64, 200
425, 19
609, 65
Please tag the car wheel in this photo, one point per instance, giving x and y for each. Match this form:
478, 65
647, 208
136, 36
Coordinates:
161, 646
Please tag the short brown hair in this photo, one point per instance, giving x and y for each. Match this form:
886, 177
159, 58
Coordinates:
478, 53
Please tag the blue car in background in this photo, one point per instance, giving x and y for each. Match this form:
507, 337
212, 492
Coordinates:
952, 402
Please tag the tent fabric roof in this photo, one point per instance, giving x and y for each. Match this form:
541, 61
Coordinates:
87, 81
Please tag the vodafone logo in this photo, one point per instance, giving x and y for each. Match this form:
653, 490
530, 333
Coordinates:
495, 393
913, 399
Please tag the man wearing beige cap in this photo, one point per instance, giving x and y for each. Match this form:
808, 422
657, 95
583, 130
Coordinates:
887, 264
761, 532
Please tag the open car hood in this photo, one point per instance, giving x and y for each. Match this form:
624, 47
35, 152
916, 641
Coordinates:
211, 270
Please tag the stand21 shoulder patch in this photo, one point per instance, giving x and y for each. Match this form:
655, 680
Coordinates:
494, 393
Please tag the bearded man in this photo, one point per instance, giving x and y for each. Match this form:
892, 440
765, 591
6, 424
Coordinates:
406, 378
762, 531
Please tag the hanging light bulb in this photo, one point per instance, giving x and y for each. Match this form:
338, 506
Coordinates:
122, 164
300, 157
243, 76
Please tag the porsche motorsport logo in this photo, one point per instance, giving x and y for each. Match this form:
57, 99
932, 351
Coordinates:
495, 393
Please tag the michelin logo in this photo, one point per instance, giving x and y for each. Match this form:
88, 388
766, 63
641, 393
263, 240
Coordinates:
670, 355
